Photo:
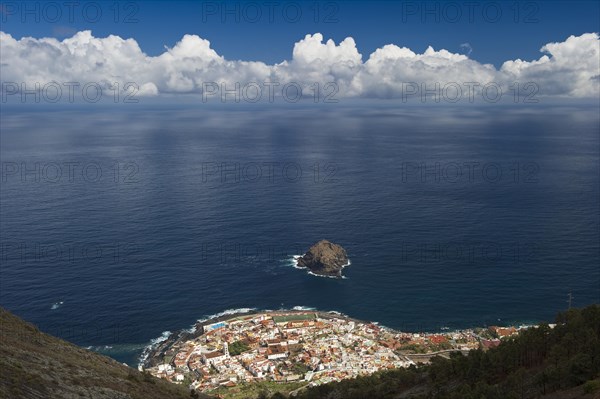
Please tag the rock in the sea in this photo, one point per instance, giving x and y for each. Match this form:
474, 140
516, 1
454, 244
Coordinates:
325, 258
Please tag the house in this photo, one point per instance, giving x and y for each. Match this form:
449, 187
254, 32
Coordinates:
438, 339
503, 332
276, 352
213, 357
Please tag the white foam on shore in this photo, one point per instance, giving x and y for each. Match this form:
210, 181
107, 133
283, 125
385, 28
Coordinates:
227, 312
153, 344
294, 262
336, 277
305, 308
381, 326
335, 312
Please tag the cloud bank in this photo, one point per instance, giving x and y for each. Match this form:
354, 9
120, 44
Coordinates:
570, 68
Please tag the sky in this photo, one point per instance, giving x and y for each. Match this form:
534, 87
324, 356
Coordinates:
255, 30
365, 48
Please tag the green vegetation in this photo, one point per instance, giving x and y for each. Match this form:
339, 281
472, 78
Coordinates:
300, 368
412, 348
263, 389
563, 362
591, 386
440, 347
238, 347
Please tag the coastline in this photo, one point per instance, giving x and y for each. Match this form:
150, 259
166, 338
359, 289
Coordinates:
157, 348
154, 351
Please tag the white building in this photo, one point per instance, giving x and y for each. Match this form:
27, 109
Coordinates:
213, 357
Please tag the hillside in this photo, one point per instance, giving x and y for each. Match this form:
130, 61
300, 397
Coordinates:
36, 365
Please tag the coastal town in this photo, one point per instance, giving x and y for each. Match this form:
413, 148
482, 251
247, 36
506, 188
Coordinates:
302, 346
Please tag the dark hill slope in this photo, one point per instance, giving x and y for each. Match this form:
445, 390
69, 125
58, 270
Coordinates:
36, 365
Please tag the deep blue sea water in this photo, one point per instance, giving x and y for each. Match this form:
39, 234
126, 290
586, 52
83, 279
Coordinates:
119, 224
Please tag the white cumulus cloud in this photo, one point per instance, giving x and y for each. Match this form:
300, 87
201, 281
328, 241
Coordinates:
570, 68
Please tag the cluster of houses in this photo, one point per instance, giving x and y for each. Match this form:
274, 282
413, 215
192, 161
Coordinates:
302, 346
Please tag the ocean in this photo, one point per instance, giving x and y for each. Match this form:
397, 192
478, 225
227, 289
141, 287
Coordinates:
118, 224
